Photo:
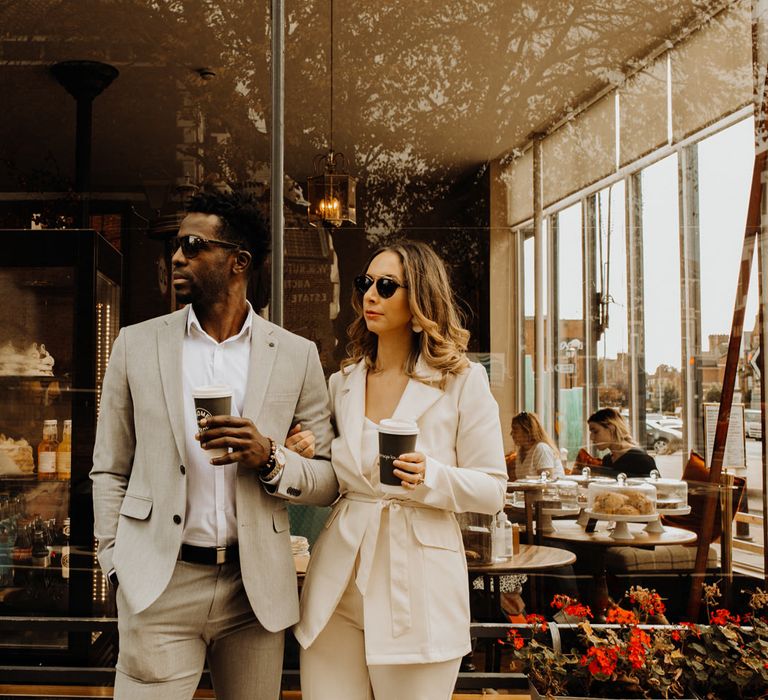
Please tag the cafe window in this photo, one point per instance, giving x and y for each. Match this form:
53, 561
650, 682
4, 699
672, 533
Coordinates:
528, 306
660, 362
609, 308
569, 366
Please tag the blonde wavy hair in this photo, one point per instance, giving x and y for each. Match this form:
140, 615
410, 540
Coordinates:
530, 425
442, 343
613, 420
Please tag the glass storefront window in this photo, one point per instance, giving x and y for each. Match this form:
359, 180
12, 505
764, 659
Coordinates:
611, 314
661, 424
570, 376
724, 176
529, 391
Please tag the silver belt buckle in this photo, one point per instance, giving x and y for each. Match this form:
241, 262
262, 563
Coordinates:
221, 555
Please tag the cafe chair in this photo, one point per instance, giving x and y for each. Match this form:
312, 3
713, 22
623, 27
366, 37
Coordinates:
584, 459
511, 460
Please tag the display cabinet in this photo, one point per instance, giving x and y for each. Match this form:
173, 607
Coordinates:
59, 314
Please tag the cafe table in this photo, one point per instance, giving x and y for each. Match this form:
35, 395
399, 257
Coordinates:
598, 541
531, 558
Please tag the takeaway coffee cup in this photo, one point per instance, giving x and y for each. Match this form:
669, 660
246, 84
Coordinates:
396, 437
213, 400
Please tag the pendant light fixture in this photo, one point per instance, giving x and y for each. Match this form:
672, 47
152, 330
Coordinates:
331, 190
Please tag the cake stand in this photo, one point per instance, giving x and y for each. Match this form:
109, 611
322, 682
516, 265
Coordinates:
622, 531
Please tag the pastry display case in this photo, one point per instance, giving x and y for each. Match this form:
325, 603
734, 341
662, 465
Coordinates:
59, 314
671, 494
621, 498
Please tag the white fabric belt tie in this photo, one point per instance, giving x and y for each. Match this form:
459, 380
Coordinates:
398, 556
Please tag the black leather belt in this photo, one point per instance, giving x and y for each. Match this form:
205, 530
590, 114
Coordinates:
209, 555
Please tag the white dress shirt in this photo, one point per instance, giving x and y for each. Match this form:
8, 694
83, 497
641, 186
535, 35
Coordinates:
211, 519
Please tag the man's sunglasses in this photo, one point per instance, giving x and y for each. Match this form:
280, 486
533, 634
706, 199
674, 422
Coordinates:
191, 245
385, 286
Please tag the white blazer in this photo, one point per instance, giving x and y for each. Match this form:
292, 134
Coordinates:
411, 567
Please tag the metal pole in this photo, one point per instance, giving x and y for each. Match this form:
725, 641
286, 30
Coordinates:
635, 295
690, 292
538, 281
276, 202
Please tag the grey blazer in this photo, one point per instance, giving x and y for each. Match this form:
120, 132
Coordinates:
139, 487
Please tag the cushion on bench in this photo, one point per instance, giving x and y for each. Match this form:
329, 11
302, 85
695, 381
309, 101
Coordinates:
670, 557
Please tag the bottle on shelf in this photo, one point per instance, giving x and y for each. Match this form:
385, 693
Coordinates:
21, 554
64, 453
65, 549
6, 547
46, 451
52, 542
41, 556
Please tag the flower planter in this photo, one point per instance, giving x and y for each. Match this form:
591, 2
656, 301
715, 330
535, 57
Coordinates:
536, 695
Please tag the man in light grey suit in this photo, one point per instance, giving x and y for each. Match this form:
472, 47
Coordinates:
199, 548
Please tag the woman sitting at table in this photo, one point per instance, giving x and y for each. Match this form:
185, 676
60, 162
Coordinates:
608, 430
536, 452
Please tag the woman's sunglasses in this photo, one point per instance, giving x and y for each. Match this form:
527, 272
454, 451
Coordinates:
191, 245
385, 286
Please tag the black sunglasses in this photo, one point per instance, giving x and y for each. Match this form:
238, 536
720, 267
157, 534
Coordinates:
192, 245
385, 286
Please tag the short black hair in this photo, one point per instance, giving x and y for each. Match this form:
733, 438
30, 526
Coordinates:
242, 220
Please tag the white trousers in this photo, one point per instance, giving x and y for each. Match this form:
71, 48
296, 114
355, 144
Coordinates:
203, 613
334, 666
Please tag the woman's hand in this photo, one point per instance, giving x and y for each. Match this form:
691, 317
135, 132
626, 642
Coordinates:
410, 468
301, 441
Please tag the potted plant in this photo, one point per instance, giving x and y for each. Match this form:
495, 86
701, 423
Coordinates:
729, 657
623, 659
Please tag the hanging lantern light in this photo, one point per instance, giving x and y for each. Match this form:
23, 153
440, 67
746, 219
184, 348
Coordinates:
331, 190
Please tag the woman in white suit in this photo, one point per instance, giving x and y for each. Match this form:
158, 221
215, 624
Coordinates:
385, 605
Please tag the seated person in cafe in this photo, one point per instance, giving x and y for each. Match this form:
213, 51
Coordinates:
536, 452
609, 431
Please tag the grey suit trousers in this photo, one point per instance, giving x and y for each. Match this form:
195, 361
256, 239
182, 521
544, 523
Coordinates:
203, 613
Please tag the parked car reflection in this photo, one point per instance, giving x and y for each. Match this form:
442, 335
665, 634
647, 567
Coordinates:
663, 434
752, 426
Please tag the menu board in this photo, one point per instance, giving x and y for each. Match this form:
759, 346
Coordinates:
735, 448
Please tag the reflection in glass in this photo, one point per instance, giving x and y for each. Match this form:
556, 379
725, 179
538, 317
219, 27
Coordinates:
529, 315
569, 358
611, 275
661, 295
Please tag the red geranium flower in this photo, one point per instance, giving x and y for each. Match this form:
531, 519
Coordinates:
514, 637
620, 616
560, 601
534, 619
723, 617
601, 660
692, 627
639, 643
577, 610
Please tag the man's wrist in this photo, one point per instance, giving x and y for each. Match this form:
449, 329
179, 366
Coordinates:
274, 464
269, 465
